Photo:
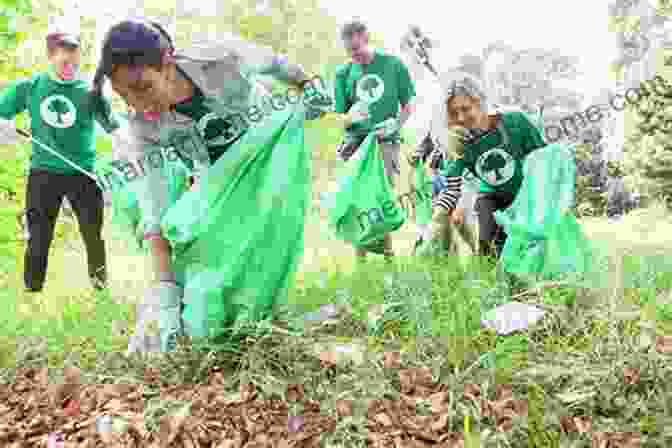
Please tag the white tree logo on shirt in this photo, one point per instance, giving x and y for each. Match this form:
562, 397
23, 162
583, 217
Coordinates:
58, 112
495, 166
370, 88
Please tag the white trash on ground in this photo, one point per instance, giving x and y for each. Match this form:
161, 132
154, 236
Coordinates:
513, 316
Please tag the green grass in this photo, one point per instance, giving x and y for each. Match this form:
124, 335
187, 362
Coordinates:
580, 346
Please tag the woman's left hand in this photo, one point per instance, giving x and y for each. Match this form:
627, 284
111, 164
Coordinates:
316, 99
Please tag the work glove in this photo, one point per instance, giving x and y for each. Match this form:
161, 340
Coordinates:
158, 320
387, 127
358, 113
435, 158
316, 99
8, 134
122, 144
425, 148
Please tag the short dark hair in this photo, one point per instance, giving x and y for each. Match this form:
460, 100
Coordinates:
352, 28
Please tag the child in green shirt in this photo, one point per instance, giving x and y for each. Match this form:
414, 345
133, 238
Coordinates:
62, 118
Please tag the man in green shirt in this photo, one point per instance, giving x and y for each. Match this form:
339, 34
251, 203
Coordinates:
373, 92
62, 118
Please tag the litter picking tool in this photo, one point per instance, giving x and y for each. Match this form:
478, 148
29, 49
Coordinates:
25, 134
417, 42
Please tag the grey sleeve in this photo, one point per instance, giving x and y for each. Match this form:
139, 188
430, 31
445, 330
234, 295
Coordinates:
253, 57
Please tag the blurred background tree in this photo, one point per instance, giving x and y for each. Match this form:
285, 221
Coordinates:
644, 42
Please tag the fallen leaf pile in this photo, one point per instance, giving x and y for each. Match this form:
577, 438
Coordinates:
32, 412
400, 424
600, 439
35, 412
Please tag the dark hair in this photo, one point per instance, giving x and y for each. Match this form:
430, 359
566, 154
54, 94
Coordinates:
134, 42
352, 28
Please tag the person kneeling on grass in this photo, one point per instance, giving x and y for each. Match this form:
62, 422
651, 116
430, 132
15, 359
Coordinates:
442, 204
197, 92
61, 118
492, 147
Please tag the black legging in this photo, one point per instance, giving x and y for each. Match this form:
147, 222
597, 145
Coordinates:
491, 236
44, 196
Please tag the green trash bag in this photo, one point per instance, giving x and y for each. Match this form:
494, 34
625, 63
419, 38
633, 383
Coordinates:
238, 239
364, 209
423, 196
126, 214
545, 241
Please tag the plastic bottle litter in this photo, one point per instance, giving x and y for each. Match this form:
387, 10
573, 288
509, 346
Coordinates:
326, 312
511, 317
109, 427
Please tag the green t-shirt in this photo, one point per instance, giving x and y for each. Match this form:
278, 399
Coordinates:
383, 84
60, 117
497, 165
214, 129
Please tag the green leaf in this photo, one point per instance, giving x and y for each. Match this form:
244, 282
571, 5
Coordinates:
24, 6
11, 23
4, 23
6, 4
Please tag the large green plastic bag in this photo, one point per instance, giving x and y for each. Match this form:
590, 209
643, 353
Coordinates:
545, 241
423, 196
237, 240
364, 207
422, 207
125, 207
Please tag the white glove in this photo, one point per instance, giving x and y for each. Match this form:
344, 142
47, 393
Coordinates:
317, 100
358, 112
425, 232
121, 142
8, 134
388, 127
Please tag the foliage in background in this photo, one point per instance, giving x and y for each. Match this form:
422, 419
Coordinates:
13, 33
648, 151
646, 161
302, 29
591, 197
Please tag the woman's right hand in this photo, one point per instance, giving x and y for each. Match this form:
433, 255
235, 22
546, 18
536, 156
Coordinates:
8, 131
358, 112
